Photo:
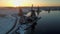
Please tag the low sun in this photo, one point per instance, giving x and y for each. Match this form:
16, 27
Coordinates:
17, 3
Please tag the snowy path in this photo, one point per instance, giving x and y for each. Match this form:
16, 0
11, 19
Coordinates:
15, 26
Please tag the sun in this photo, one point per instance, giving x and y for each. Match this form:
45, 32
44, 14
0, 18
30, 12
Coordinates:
17, 3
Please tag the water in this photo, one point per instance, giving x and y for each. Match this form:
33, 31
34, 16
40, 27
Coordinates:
49, 23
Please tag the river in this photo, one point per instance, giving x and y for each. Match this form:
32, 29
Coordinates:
49, 23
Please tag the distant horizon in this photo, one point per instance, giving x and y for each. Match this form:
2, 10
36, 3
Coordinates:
30, 6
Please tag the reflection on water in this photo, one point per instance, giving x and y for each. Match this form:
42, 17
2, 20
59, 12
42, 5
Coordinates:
49, 23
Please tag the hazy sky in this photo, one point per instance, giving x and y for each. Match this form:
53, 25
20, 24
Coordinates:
4, 3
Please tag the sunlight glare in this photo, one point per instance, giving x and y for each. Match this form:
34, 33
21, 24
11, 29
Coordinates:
17, 3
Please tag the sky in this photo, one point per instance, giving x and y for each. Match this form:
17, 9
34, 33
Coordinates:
14, 3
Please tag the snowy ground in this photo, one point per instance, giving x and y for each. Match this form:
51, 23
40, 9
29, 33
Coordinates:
6, 23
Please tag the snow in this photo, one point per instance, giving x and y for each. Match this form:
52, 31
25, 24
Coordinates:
9, 11
6, 23
21, 29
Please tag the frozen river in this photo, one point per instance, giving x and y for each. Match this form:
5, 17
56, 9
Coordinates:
49, 23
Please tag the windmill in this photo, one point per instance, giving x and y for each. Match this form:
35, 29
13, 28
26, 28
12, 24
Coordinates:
33, 12
38, 10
